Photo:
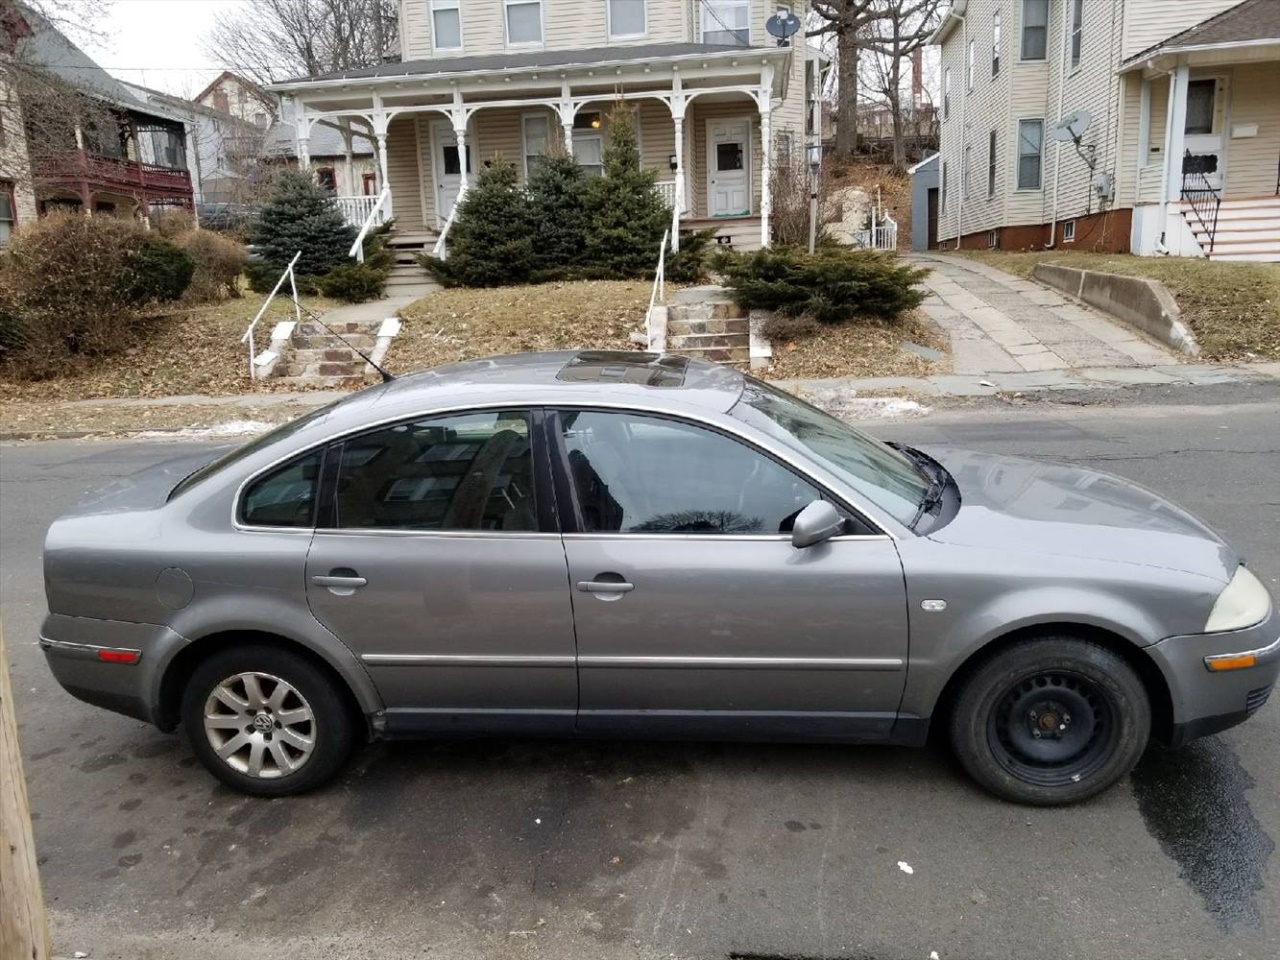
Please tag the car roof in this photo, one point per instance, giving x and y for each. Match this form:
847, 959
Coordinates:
649, 380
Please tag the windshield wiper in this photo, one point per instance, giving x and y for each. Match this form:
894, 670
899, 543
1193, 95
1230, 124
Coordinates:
932, 472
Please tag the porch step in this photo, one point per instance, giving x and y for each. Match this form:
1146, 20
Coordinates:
1247, 229
738, 233
703, 323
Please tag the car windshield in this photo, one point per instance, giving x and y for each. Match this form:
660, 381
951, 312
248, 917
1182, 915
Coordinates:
252, 447
876, 471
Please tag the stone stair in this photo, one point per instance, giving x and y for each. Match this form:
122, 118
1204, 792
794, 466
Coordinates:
317, 358
703, 322
407, 276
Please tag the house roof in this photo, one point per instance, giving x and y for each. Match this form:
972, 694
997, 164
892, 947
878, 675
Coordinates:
1251, 21
325, 141
47, 48
249, 85
954, 16
534, 58
931, 158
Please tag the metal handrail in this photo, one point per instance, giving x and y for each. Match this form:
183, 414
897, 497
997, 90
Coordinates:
1205, 200
357, 248
297, 309
659, 287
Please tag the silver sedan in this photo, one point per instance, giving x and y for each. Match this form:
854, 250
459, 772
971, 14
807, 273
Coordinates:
627, 545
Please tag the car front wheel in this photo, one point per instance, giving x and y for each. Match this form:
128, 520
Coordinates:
266, 721
1051, 721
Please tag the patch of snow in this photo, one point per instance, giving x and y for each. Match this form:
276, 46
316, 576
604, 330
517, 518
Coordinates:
231, 428
905, 867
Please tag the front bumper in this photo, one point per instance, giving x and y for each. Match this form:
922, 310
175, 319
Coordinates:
128, 680
1206, 702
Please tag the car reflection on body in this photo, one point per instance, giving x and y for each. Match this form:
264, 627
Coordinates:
628, 545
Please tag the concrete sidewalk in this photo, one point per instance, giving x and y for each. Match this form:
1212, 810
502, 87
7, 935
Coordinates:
1002, 324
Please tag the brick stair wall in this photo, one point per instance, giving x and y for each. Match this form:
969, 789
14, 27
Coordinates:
317, 358
712, 329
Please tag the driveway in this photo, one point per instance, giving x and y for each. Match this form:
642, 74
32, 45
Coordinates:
999, 323
602, 850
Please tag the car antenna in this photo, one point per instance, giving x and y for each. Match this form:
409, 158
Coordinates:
387, 377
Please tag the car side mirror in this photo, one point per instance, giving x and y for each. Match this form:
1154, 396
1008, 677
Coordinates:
817, 522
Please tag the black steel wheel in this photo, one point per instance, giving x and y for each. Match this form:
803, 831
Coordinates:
1051, 721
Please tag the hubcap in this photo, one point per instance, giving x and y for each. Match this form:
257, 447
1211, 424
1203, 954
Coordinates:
1052, 729
259, 725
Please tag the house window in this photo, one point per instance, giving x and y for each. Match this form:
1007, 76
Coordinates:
588, 150
369, 184
727, 22
8, 211
993, 239
991, 164
626, 18
1035, 29
537, 139
446, 25
969, 67
326, 177
1069, 232
1030, 149
524, 22
1077, 31
1200, 103
995, 44
946, 94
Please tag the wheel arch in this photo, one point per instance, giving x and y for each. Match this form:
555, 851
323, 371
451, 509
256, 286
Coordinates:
180, 667
1153, 680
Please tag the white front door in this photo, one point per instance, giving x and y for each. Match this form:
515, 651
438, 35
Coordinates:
1203, 139
446, 167
729, 167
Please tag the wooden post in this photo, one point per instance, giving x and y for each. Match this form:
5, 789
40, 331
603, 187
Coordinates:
24, 930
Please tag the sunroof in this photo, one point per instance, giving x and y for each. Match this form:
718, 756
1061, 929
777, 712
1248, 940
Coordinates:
621, 366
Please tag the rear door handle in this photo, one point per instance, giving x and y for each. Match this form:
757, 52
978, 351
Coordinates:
340, 586
605, 586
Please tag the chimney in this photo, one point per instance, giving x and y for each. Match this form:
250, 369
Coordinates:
917, 78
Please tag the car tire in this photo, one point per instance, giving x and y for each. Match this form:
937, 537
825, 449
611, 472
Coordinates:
266, 722
1051, 721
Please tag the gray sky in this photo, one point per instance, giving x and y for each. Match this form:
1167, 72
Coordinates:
156, 43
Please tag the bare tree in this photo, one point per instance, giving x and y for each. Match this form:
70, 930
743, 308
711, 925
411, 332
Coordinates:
895, 30
845, 20
272, 40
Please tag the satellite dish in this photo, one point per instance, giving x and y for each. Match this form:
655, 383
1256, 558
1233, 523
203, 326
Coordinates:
1073, 126
783, 25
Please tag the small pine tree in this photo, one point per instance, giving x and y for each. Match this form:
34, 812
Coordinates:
491, 241
625, 215
298, 215
557, 206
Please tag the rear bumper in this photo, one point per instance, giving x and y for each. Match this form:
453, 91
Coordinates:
1206, 702
73, 647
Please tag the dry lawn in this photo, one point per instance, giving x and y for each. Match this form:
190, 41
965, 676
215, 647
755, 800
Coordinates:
191, 350
1233, 308
458, 324
864, 349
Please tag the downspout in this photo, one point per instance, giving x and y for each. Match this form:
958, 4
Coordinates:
964, 133
1057, 155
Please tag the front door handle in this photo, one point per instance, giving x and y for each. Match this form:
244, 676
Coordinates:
606, 586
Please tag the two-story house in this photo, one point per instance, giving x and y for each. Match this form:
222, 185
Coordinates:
1150, 126
715, 97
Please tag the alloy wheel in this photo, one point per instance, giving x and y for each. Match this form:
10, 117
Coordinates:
260, 725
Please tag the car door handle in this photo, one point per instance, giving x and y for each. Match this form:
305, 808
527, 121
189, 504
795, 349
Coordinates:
348, 582
605, 586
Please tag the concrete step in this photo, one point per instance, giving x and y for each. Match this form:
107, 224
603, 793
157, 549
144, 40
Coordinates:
1237, 257
311, 371
344, 327
324, 341
313, 382
740, 354
706, 341
681, 327
324, 355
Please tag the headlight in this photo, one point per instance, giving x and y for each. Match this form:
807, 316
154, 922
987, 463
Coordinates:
1243, 603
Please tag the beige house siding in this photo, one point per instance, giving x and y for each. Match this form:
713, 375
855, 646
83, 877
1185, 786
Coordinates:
566, 25
1252, 161
403, 174
1148, 22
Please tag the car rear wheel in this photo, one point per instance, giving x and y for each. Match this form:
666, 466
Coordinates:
266, 721
1051, 721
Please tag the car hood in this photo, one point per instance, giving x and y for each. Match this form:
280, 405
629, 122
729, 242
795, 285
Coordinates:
1029, 506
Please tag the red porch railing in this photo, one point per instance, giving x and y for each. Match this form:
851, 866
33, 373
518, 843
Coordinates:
151, 180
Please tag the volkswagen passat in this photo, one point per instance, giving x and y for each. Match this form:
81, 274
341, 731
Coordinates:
621, 544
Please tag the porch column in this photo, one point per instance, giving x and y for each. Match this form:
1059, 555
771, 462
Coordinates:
678, 104
765, 102
464, 178
567, 111
1175, 132
1144, 135
379, 121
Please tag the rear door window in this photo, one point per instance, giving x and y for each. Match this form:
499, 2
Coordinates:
284, 497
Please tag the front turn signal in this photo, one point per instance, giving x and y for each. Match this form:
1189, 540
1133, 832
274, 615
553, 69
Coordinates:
1231, 661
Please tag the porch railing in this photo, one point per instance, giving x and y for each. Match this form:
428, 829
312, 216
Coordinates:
371, 220
297, 309
1204, 199
667, 191
356, 210
441, 249
659, 294
880, 236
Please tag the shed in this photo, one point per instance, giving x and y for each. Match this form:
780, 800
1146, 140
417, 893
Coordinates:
924, 204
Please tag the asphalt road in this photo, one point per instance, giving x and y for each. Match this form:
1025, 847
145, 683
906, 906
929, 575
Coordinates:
604, 850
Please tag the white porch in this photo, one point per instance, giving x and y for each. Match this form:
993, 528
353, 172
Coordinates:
705, 123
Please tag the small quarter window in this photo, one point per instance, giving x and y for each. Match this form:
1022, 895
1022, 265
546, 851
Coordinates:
1069, 231
286, 497
468, 471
